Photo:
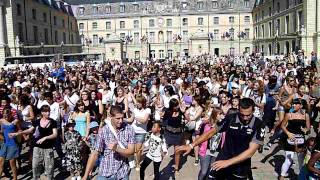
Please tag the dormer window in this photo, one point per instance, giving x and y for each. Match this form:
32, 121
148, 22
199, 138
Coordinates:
200, 5
230, 4
122, 8
95, 9
81, 10
184, 5
136, 7
215, 4
108, 9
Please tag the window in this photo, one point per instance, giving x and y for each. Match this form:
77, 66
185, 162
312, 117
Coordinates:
200, 5
34, 14
20, 33
108, 9
270, 11
185, 21
151, 22
19, 13
169, 22
231, 32
46, 36
262, 30
152, 36
153, 54
81, 26
56, 37
215, 4
122, 8
287, 25
170, 53
136, 37
230, 4
200, 21
72, 39
216, 20
123, 36
136, 7
246, 3
278, 26
184, 5
137, 54
136, 24
71, 27
161, 54
108, 25
247, 19
35, 34
94, 25
55, 20
95, 9
44, 17
231, 19
287, 4
169, 36
278, 7
185, 36
81, 10
270, 29
95, 39
122, 25
63, 23
64, 37
216, 34
262, 14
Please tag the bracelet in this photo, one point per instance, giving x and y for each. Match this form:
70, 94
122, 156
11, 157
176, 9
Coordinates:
191, 146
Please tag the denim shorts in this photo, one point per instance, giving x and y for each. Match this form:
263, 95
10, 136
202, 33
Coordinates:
139, 138
111, 178
9, 152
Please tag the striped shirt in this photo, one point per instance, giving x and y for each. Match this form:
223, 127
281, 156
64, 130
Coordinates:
112, 163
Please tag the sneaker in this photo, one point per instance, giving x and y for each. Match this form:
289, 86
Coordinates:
196, 162
78, 178
73, 178
268, 146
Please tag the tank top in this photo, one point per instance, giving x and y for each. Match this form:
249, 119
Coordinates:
120, 104
294, 125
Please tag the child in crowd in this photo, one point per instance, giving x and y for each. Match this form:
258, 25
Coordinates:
157, 150
92, 139
72, 160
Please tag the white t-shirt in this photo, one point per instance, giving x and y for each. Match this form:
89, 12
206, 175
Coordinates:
138, 127
167, 99
71, 101
156, 145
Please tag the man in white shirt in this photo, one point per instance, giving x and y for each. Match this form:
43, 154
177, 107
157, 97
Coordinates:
71, 98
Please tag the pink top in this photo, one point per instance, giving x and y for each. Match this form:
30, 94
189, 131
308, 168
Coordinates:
203, 146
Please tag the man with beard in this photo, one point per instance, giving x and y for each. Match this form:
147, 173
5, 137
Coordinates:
244, 136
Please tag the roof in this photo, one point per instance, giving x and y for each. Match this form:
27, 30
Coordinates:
79, 2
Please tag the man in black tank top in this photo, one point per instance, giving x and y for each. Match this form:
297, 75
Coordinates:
244, 135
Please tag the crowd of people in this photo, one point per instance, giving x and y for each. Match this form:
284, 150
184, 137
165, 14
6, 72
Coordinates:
120, 117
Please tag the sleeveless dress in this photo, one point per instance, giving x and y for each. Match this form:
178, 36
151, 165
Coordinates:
9, 150
81, 124
294, 126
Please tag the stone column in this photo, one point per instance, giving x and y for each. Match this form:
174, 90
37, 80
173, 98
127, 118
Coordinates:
2, 39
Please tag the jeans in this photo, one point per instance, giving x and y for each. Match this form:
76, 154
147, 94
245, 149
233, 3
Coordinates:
43, 157
205, 163
112, 178
145, 164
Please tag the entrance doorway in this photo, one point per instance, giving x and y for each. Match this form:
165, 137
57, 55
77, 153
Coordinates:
216, 51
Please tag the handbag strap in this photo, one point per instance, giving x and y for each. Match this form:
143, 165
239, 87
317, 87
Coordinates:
113, 131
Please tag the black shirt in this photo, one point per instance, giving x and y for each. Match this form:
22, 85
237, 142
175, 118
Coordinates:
238, 138
49, 143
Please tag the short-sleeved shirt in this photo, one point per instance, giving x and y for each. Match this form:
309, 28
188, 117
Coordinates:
47, 131
112, 163
238, 138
